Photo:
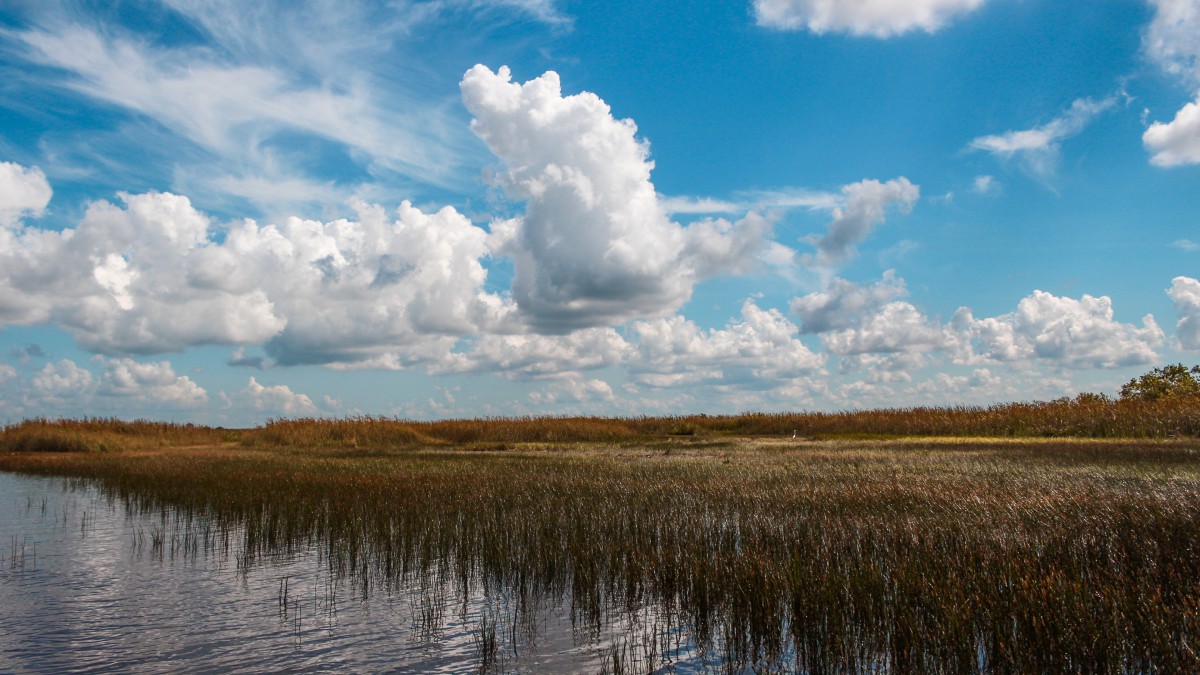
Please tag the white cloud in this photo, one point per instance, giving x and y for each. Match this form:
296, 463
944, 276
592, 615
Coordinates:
896, 327
539, 356
351, 290
595, 246
150, 384
61, 380
693, 205
1185, 291
855, 320
864, 207
1038, 149
884, 367
542, 10
985, 185
876, 18
153, 277
270, 400
1186, 245
717, 246
843, 303
24, 191
1061, 331
760, 200
1171, 39
1176, 142
576, 390
236, 109
763, 345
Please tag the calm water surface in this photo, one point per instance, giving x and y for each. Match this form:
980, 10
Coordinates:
87, 585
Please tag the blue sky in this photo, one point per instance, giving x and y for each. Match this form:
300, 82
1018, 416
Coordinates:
221, 213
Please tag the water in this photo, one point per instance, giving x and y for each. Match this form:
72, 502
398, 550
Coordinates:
87, 585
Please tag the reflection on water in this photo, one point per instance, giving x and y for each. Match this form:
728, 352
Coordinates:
90, 583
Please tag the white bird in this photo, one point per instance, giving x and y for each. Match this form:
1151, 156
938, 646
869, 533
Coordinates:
793, 433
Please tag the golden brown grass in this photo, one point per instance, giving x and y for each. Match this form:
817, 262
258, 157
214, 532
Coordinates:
1082, 417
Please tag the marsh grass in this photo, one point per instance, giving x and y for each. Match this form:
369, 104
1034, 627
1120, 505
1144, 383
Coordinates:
103, 435
1082, 417
930, 555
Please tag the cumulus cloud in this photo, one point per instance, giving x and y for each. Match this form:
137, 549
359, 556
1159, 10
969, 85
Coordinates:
896, 327
153, 384
864, 206
402, 286
843, 303
61, 380
24, 191
762, 345
1176, 142
151, 276
875, 18
1061, 331
870, 326
718, 246
574, 390
1038, 149
270, 400
1171, 40
1185, 291
122, 385
595, 246
539, 356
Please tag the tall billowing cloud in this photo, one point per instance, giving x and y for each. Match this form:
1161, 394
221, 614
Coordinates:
595, 246
1173, 40
875, 18
864, 207
1038, 148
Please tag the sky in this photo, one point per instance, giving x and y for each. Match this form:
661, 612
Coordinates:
223, 212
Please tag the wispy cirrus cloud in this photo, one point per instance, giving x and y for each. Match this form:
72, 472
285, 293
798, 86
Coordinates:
748, 200
1038, 149
253, 99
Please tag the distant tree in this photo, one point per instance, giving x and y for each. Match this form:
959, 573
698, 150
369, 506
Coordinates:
1092, 398
1175, 381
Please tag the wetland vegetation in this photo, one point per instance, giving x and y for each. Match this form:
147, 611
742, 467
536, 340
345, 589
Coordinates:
1052, 537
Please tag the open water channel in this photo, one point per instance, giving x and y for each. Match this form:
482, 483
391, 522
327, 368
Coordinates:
90, 585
